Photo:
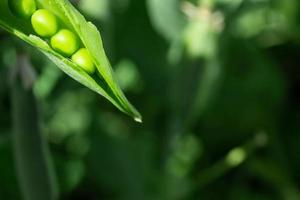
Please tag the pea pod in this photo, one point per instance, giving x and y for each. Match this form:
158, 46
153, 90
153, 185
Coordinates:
89, 36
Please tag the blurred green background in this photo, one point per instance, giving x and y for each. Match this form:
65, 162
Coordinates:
217, 83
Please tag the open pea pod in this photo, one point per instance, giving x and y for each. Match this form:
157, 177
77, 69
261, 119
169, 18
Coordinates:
105, 84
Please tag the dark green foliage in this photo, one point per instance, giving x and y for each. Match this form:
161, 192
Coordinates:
33, 164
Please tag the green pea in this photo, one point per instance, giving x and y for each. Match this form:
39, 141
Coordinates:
44, 23
22, 8
65, 42
83, 59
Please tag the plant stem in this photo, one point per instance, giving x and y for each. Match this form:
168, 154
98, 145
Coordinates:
234, 158
32, 159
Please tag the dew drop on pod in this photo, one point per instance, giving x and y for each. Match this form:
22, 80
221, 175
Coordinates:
22, 8
44, 23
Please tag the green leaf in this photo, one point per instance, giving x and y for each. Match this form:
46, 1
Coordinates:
105, 84
166, 18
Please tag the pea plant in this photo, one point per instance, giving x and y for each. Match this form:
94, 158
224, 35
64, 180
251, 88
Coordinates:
60, 32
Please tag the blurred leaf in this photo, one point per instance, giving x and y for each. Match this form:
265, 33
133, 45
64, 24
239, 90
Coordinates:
166, 18
33, 163
98, 9
128, 75
124, 170
9, 186
200, 39
186, 150
232, 4
236, 156
65, 121
74, 171
46, 81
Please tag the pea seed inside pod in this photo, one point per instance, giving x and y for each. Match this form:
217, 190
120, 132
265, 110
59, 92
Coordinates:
44, 23
84, 60
65, 42
22, 8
